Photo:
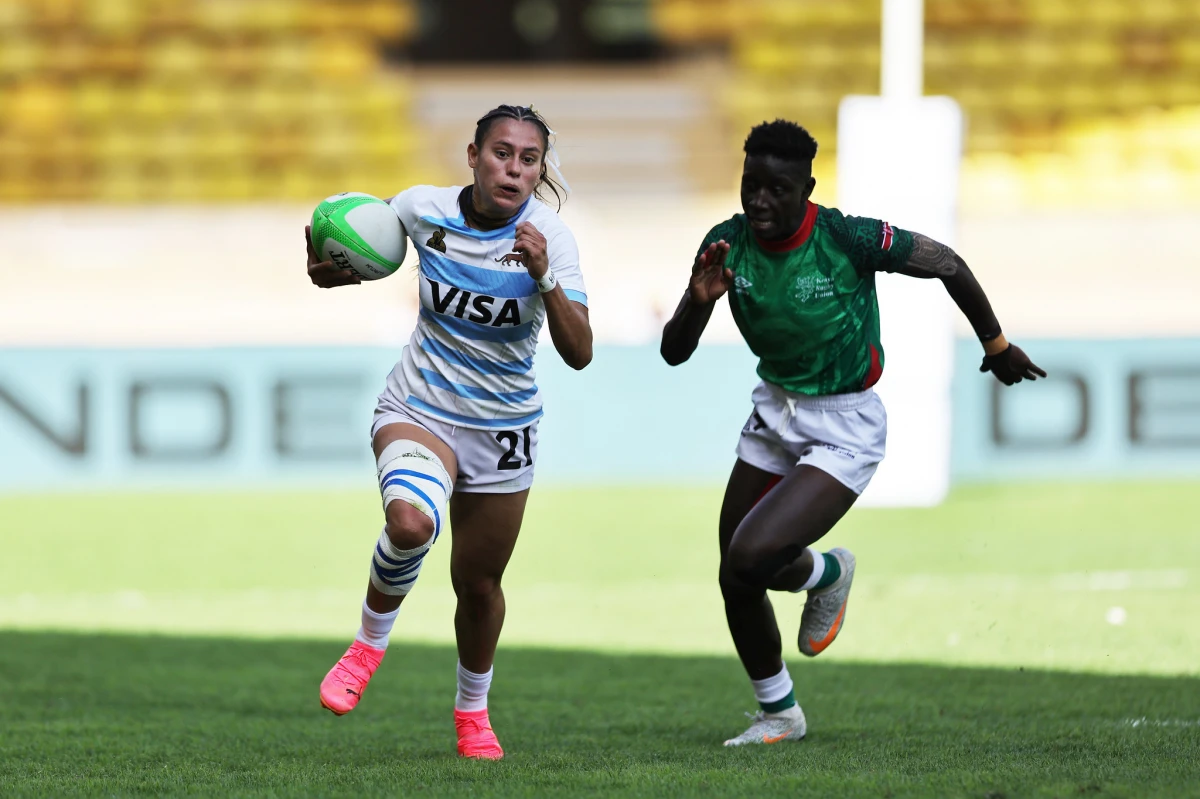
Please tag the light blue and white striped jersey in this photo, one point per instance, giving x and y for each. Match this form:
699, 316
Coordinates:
470, 359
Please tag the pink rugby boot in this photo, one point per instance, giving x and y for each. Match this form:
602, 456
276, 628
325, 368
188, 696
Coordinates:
475, 736
343, 686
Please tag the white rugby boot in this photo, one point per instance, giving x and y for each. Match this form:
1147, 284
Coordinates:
773, 728
825, 608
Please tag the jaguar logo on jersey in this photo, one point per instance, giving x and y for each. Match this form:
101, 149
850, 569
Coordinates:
741, 284
437, 241
511, 258
479, 305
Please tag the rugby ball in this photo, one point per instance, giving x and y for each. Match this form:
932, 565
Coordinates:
360, 233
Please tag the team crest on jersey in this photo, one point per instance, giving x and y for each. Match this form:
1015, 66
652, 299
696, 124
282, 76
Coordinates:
808, 286
510, 258
437, 241
741, 284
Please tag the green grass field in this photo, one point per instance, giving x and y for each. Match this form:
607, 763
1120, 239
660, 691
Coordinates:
1017, 641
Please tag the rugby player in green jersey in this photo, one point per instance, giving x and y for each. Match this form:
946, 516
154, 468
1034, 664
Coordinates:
801, 285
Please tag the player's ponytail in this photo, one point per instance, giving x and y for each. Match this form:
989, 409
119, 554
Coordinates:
558, 184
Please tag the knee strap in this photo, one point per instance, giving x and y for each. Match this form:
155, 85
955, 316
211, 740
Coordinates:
393, 571
413, 473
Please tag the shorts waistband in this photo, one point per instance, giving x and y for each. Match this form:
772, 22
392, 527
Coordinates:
828, 402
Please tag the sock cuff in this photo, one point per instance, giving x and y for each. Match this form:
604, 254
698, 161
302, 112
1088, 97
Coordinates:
818, 570
781, 705
370, 614
773, 689
472, 675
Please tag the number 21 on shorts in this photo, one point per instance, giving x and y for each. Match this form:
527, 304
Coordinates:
510, 459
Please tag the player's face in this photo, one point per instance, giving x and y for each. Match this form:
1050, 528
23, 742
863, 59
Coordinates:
507, 166
775, 195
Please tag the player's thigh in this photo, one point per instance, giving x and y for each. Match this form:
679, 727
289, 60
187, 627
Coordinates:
394, 422
805, 506
485, 527
400, 431
746, 487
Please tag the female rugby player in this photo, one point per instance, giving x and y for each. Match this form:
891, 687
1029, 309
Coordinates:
457, 423
801, 285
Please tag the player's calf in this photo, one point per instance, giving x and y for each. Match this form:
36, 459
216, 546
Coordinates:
412, 474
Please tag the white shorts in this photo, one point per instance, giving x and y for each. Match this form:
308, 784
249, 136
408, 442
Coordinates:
489, 461
840, 434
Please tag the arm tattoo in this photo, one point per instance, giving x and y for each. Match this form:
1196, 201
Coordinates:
931, 258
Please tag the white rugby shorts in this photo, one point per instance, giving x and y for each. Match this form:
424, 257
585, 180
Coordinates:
840, 434
489, 461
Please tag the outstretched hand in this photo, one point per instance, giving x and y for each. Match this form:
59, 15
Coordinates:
710, 277
326, 274
1011, 366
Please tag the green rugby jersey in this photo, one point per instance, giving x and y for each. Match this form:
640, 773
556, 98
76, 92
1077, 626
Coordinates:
807, 306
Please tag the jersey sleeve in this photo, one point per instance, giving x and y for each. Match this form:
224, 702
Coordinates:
564, 261
405, 204
725, 230
872, 245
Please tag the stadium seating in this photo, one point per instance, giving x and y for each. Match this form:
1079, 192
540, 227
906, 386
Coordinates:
1037, 78
136, 100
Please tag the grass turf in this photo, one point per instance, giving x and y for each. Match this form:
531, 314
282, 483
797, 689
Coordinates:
121, 715
1031, 576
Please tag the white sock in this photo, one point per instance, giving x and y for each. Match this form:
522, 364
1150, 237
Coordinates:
472, 689
774, 689
817, 573
376, 627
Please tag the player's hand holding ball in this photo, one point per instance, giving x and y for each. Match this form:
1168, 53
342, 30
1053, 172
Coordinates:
353, 237
531, 245
710, 278
326, 274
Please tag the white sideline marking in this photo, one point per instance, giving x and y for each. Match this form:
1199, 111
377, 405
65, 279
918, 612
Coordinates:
1145, 722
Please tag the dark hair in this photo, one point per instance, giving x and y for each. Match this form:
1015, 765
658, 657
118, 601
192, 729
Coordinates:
522, 114
782, 139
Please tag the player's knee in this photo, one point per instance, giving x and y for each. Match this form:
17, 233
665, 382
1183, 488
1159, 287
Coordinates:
475, 589
739, 568
415, 489
733, 589
737, 575
407, 527
752, 564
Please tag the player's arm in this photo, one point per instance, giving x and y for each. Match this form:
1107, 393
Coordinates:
932, 259
710, 279
570, 325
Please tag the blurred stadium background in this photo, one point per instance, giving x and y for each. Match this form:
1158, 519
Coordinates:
172, 389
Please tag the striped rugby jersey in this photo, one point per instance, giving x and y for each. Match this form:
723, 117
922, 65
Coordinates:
470, 359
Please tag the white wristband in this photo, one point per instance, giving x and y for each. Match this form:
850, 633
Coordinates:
547, 282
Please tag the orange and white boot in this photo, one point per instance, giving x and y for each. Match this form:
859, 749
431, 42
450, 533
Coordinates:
475, 736
343, 686
825, 608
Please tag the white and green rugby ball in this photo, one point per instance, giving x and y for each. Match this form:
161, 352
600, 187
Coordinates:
360, 233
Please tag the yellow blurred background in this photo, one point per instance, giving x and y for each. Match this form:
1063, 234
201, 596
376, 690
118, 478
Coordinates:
1080, 103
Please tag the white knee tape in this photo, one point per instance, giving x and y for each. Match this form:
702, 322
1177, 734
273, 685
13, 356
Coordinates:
393, 571
411, 472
